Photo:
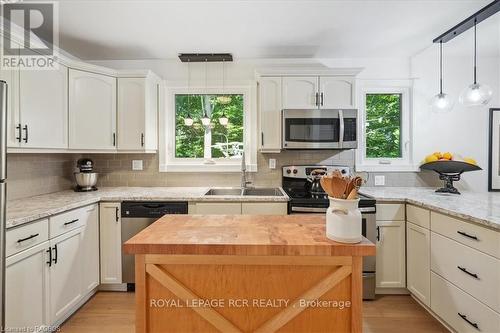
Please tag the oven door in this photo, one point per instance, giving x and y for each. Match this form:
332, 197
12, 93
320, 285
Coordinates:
311, 129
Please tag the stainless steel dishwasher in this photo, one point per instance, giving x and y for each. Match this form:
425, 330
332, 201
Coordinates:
137, 215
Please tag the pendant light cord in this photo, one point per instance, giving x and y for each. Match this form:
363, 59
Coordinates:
475, 50
441, 67
189, 85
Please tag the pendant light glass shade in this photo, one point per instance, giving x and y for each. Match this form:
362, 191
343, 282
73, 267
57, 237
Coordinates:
223, 120
188, 121
205, 120
441, 102
476, 94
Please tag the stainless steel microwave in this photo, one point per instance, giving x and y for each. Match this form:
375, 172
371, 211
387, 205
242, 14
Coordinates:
320, 129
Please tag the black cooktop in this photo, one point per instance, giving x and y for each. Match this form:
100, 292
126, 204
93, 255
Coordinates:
304, 196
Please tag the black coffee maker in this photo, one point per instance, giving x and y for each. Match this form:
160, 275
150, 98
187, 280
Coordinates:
86, 179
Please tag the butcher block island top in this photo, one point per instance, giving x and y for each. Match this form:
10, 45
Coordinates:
246, 273
242, 235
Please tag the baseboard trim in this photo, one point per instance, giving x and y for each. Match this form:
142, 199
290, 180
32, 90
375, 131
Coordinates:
113, 287
391, 291
75, 308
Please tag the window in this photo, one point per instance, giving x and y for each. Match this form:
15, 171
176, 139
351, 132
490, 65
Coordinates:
215, 140
212, 148
385, 127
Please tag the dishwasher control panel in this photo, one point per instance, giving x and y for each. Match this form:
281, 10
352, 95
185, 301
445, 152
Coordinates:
153, 209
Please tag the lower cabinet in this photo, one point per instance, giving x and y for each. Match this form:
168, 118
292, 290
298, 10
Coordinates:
418, 262
256, 208
391, 258
90, 249
26, 288
111, 243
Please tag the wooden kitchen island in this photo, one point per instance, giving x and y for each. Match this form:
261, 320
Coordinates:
246, 273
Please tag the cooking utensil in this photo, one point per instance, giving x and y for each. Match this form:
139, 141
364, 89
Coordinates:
350, 186
353, 194
314, 179
338, 187
326, 184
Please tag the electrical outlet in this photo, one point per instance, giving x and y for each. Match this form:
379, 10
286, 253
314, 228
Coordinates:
272, 163
137, 165
379, 180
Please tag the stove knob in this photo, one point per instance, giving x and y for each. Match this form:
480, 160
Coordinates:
288, 171
295, 171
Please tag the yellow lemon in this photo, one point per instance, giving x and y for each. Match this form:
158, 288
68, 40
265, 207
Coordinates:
438, 155
431, 158
448, 156
470, 160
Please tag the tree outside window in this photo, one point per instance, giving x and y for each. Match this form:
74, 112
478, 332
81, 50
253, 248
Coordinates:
216, 140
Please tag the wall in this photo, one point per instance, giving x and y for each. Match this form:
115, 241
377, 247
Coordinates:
33, 174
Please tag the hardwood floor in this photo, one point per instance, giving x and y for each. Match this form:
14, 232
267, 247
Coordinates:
113, 312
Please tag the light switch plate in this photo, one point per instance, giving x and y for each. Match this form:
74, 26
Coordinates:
137, 165
379, 180
272, 163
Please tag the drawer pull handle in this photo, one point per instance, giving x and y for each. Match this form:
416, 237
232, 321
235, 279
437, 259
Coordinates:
467, 272
27, 238
467, 235
117, 216
55, 254
464, 317
71, 222
49, 251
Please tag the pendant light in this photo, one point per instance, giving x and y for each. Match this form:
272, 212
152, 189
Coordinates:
476, 94
205, 120
188, 121
441, 102
224, 99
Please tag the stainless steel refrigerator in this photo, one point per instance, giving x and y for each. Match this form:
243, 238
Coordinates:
3, 195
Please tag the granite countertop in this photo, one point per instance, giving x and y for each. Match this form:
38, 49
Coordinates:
480, 208
25, 210
267, 235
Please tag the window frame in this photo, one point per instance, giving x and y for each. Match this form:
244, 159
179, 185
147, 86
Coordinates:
170, 163
400, 164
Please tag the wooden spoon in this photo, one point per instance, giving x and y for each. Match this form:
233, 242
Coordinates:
350, 186
353, 194
326, 185
338, 187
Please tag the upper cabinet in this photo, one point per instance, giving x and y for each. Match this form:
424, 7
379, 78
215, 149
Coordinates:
138, 105
92, 111
313, 92
270, 114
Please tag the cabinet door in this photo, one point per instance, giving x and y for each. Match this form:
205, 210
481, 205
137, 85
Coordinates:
131, 113
336, 92
270, 114
111, 243
92, 110
391, 261
153, 102
300, 92
418, 262
65, 273
11, 77
90, 249
264, 208
218, 208
26, 288
44, 108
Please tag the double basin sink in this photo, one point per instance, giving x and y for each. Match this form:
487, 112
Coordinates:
261, 192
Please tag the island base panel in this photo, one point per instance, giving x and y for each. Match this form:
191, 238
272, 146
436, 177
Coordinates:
216, 293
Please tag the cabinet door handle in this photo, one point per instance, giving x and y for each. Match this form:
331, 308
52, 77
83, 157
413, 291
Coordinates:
317, 99
262, 138
464, 317
467, 235
25, 128
49, 251
117, 217
378, 233
71, 222
19, 134
114, 139
467, 272
27, 238
322, 99
55, 254
142, 139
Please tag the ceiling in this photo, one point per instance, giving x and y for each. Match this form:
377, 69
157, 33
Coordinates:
100, 29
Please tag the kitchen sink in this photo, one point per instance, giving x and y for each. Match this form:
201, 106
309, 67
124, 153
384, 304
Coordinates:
262, 192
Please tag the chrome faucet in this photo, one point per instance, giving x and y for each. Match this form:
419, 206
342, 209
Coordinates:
244, 181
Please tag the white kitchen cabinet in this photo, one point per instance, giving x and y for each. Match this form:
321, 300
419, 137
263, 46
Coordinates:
270, 106
92, 111
11, 77
65, 273
301, 92
90, 249
391, 258
418, 262
138, 104
43, 108
264, 208
217, 208
336, 92
26, 288
111, 243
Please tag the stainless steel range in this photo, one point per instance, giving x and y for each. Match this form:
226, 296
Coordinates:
297, 184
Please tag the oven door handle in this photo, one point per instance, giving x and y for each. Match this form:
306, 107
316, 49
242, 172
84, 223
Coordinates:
368, 210
308, 209
342, 129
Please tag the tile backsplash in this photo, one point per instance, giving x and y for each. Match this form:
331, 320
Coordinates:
35, 174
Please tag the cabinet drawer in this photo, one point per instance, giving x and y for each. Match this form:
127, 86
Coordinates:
264, 208
474, 272
460, 310
218, 208
418, 216
477, 237
26, 236
390, 212
70, 220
